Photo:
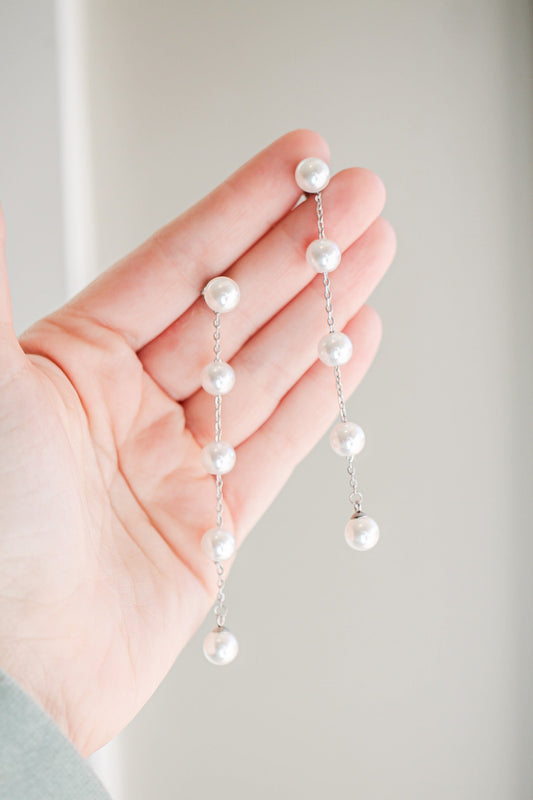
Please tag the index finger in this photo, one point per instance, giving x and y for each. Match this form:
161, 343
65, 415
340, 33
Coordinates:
150, 288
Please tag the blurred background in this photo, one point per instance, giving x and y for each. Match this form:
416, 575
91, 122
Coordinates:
402, 673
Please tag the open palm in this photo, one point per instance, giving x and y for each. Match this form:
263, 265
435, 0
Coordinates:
103, 499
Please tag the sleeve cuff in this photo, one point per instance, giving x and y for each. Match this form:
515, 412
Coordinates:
37, 761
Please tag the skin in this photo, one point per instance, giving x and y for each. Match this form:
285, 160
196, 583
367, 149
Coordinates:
103, 500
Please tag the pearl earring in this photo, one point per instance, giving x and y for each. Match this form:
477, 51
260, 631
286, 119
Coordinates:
347, 439
218, 457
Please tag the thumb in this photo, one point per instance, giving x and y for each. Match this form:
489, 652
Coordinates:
11, 355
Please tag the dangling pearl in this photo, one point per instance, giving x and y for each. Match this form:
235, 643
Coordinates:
220, 646
312, 175
361, 532
323, 255
347, 439
218, 544
222, 294
218, 378
218, 458
334, 349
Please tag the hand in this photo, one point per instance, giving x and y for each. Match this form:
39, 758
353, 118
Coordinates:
103, 499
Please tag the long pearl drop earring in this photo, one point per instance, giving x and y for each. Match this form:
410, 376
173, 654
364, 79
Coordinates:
218, 457
334, 349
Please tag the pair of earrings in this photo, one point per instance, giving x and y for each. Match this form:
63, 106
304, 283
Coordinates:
347, 438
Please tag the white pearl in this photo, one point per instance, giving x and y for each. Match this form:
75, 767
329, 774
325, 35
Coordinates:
218, 544
361, 532
220, 647
218, 458
323, 255
334, 349
312, 175
222, 294
218, 378
347, 439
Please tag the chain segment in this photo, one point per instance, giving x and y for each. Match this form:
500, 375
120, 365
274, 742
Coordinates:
216, 336
220, 609
320, 215
355, 497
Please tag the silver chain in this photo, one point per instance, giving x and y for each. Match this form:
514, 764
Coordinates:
220, 609
320, 215
340, 394
219, 485
216, 336
355, 497
218, 418
329, 305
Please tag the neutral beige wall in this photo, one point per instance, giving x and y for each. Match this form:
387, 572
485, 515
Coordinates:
30, 160
402, 673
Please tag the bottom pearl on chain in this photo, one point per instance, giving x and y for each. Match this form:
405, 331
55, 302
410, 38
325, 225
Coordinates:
361, 532
220, 646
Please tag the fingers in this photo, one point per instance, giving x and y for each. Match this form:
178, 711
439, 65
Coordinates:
146, 291
277, 356
266, 460
270, 274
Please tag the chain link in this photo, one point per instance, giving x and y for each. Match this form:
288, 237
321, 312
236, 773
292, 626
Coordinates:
219, 504
340, 394
218, 418
220, 609
320, 215
355, 497
216, 336
329, 304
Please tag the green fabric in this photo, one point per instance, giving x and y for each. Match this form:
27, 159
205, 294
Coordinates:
37, 762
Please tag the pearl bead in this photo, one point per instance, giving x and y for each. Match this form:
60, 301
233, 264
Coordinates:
347, 439
218, 458
221, 647
323, 255
222, 294
335, 349
361, 532
218, 378
218, 544
312, 175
